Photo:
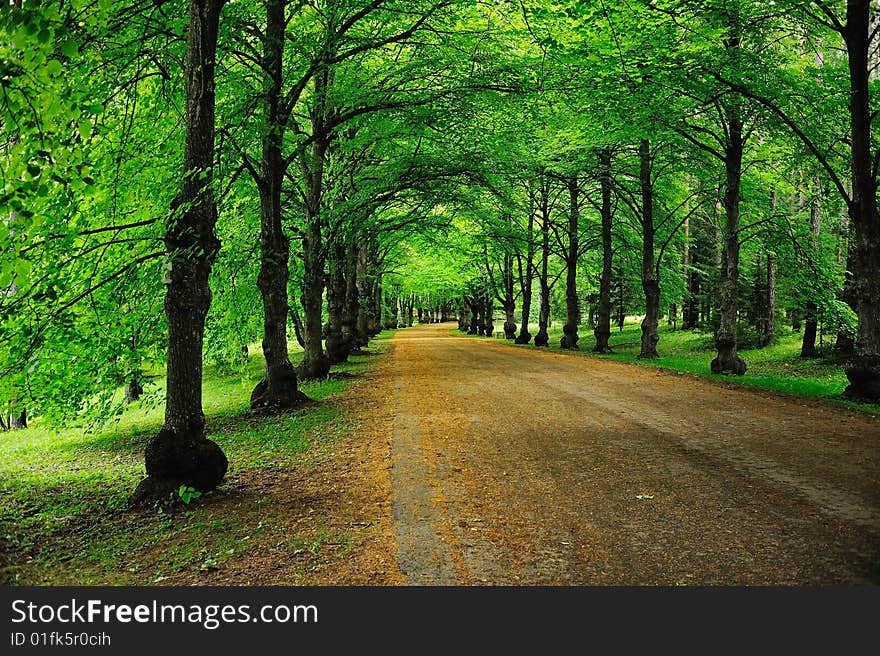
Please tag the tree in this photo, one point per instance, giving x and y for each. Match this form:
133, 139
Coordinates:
180, 454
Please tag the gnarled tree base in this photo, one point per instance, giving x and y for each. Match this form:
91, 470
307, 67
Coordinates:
523, 338
649, 348
338, 348
173, 460
570, 338
727, 361
650, 338
863, 374
509, 330
602, 337
541, 339
316, 370
277, 398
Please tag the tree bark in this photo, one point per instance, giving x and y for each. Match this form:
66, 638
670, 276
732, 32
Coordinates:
18, 421
728, 361
570, 336
487, 327
811, 323
133, 390
297, 324
278, 391
17, 418
336, 343
180, 454
378, 316
863, 371
650, 281
364, 283
525, 281
690, 307
464, 316
391, 322
474, 328
542, 339
315, 363
509, 298
351, 315
602, 331
770, 304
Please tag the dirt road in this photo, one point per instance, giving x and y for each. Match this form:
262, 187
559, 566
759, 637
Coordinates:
515, 466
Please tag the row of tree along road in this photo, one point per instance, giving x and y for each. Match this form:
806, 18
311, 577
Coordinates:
350, 165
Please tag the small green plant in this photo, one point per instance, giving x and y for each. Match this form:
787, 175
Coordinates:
187, 493
209, 562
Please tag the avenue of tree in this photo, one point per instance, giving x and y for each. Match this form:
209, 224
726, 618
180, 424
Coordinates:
183, 179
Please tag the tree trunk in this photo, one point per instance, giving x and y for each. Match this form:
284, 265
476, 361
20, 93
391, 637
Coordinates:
365, 294
474, 328
509, 299
335, 340
297, 324
727, 361
278, 390
315, 364
602, 331
488, 310
464, 316
375, 326
650, 282
811, 326
811, 323
180, 454
17, 419
392, 320
133, 390
525, 281
769, 324
690, 307
542, 339
570, 335
863, 371
352, 306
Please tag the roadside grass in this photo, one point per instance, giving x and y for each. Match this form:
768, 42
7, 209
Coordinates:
64, 516
777, 367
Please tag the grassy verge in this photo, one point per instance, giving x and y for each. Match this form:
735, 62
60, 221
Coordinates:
63, 493
778, 367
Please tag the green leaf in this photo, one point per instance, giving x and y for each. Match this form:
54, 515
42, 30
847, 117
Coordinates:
85, 128
69, 49
54, 67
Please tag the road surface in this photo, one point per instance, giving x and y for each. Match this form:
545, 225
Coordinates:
518, 466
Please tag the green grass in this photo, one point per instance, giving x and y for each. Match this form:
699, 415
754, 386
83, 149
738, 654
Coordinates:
64, 515
778, 367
